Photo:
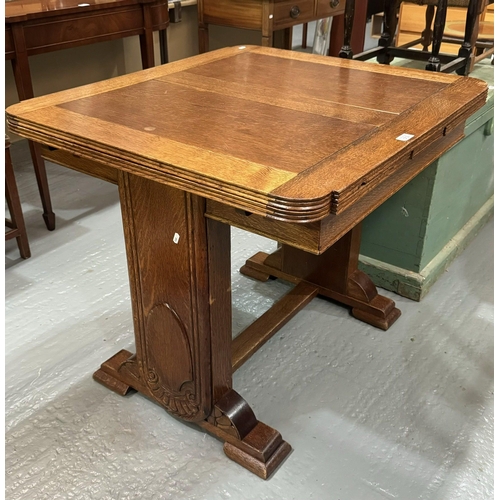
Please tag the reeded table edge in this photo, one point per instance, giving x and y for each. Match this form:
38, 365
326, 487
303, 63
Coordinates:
279, 208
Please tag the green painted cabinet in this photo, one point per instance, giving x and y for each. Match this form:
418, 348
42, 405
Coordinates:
409, 241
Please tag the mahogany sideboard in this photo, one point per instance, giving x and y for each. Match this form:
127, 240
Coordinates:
38, 26
268, 16
351, 135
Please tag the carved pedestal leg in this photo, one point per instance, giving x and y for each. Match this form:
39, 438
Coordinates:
179, 269
335, 273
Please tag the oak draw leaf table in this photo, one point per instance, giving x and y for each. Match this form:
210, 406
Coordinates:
295, 147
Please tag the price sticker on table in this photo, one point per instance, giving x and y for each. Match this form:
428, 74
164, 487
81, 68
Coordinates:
404, 137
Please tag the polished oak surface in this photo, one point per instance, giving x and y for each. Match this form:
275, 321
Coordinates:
285, 135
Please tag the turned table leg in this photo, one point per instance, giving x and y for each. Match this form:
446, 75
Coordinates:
470, 36
179, 269
390, 24
434, 63
346, 50
334, 273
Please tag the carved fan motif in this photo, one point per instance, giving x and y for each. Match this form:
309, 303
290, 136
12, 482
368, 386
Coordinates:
168, 350
182, 404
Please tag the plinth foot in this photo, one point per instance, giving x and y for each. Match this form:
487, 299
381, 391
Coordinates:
262, 469
110, 375
358, 291
382, 323
250, 443
253, 273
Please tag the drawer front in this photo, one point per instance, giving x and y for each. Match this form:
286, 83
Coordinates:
327, 8
287, 14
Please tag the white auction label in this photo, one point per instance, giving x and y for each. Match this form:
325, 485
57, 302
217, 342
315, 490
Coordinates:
176, 238
404, 137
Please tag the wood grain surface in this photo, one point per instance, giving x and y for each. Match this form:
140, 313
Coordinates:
284, 135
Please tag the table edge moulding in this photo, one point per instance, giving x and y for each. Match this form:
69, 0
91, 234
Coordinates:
178, 200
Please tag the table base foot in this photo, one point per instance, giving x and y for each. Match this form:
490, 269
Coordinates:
254, 268
359, 292
253, 273
110, 374
371, 319
250, 443
262, 469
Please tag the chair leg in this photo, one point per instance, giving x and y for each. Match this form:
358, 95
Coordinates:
18, 228
304, 36
470, 36
390, 23
427, 33
346, 50
434, 63
43, 186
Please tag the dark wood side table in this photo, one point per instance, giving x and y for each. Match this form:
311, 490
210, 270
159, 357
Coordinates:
268, 16
38, 26
347, 135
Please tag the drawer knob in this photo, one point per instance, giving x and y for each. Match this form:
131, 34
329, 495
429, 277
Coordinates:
294, 12
334, 3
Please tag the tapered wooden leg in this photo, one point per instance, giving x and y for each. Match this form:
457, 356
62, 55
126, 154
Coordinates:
22, 76
203, 38
304, 35
146, 39
179, 269
335, 273
16, 222
48, 215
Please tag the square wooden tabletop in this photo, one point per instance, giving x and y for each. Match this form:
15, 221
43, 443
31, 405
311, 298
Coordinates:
280, 133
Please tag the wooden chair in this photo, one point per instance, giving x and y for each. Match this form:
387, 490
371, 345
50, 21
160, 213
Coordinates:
16, 221
385, 52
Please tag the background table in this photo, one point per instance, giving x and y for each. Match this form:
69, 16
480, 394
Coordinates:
268, 16
183, 177
37, 26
